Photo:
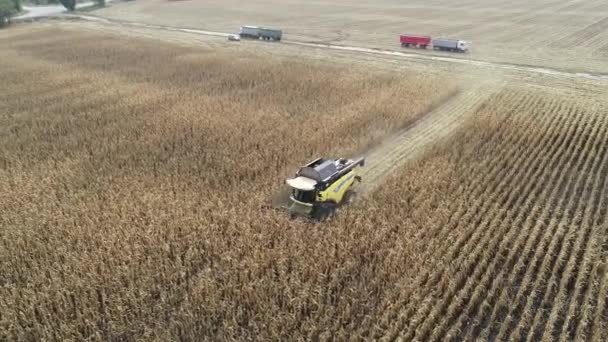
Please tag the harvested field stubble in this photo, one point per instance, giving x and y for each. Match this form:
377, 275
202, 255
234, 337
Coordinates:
567, 35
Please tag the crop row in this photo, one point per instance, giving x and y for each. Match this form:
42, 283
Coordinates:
134, 177
530, 228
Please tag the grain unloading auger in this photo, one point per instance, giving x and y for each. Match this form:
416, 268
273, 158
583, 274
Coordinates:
321, 186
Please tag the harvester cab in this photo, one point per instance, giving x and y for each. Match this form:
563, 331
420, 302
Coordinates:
322, 185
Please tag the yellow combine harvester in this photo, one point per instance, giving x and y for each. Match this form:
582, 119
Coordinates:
321, 186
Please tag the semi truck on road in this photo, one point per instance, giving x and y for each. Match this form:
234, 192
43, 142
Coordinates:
415, 41
443, 44
454, 45
271, 34
264, 33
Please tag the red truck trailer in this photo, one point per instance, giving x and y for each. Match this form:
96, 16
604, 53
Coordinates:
408, 40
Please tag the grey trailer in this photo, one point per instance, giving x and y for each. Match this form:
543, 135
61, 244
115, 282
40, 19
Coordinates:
252, 32
454, 45
271, 34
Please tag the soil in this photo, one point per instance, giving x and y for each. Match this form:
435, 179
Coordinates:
567, 35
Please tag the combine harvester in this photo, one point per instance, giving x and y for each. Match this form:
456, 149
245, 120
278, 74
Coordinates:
453, 45
321, 186
443, 44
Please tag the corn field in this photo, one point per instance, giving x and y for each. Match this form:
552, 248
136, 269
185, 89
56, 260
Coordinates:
134, 177
516, 242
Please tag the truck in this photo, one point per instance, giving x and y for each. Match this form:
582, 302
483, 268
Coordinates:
256, 32
454, 45
250, 32
408, 40
271, 34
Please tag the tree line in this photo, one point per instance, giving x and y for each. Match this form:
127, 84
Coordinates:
8, 8
70, 5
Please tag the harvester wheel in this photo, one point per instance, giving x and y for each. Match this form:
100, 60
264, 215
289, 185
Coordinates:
325, 211
320, 213
349, 197
331, 210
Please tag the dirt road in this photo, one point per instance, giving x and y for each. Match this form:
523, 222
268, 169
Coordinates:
559, 34
364, 50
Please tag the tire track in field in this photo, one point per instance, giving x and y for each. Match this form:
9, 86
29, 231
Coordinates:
579, 37
382, 160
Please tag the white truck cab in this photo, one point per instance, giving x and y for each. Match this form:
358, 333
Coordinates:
463, 46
